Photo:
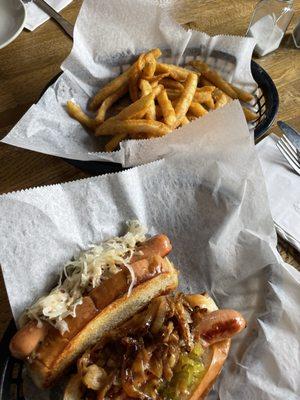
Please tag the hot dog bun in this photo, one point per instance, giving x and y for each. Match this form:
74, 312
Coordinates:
218, 356
57, 354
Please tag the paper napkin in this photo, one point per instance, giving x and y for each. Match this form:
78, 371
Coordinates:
283, 186
36, 17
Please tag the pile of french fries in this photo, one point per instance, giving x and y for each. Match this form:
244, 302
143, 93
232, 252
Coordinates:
162, 98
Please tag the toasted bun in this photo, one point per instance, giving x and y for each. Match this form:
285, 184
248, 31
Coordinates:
217, 357
116, 313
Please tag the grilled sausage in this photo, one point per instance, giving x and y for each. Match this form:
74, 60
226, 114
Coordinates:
157, 245
27, 339
219, 325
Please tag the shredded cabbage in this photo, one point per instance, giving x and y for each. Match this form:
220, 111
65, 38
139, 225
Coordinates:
84, 273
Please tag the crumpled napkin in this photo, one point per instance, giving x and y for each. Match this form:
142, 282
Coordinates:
36, 17
283, 187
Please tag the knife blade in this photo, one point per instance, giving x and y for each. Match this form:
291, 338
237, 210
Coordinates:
291, 133
66, 25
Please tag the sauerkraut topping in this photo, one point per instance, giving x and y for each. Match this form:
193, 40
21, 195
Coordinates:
84, 273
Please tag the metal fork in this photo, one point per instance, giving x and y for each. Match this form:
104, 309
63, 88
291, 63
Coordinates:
290, 152
66, 25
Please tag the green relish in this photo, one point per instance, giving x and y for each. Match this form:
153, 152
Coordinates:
188, 371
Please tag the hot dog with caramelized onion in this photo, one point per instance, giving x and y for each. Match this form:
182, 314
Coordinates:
173, 349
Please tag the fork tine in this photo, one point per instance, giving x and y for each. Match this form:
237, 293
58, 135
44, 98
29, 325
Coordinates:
290, 145
290, 152
287, 157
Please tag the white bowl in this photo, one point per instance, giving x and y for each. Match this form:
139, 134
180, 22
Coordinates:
12, 20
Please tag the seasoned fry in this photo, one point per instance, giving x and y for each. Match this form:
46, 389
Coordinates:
146, 89
158, 78
134, 77
108, 102
166, 108
214, 77
174, 94
250, 115
158, 112
191, 117
204, 82
115, 141
171, 84
184, 121
204, 96
209, 103
242, 94
132, 127
197, 110
156, 53
118, 82
138, 107
201, 96
184, 102
177, 73
76, 112
205, 89
149, 68
220, 99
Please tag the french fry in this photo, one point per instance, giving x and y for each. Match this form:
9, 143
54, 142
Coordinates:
138, 107
132, 127
201, 96
119, 81
134, 77
191, 117
205, 89
171, 84
214, 77
204, 96
115, 141
173, 94
158, 112
166, 108
250, 115
116, 84
175, 72
184, 121
209, 103
197, 110
158, 78
108, 102
220, 99
184, 102
146, 89
149, 68
76, 112
204, 82
242, 94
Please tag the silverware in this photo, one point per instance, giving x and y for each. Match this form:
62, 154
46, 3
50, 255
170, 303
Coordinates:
291, 133
66, 26
288, 145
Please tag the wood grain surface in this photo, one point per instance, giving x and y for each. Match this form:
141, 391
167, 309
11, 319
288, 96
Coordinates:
34, 58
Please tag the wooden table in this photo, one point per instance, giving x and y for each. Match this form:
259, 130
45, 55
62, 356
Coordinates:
34, 58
